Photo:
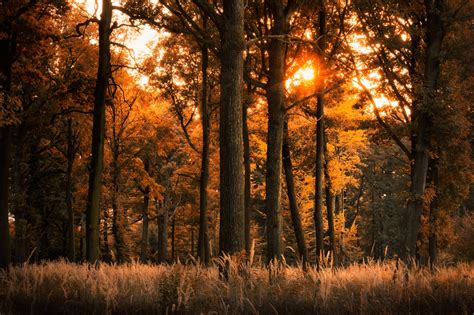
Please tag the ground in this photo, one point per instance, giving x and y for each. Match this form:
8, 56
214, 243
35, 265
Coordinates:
375, 288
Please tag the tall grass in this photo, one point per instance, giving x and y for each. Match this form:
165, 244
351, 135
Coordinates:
374, 288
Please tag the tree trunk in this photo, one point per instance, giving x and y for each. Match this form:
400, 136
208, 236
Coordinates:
118, 217
7, 52
19, 201
203, 240
330, 200
330, 206
192, 242
5, 144
434, 214
276, 115
422, 121
98, 133
231, 233
146, 219
247, 195
173, 226
290, 186
318, 206
162, 220
71, 152
106, 255
318, 202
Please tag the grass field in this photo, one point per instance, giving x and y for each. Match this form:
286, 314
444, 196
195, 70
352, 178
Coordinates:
370, 288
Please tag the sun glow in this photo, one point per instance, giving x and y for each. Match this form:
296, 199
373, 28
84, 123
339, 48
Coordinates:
303, 76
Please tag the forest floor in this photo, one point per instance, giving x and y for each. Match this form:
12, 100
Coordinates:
374, 288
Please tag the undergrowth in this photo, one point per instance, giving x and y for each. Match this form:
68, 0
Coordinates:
369, 288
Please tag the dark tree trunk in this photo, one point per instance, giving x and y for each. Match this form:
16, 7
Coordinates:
19, 202
290, 186
173, 226
330, 200
276, 115
231, 233
203, 240
247, 195
146, 219
422, 121
106, 256
98, 133
5, 144
318, 202
434, 215
162, 221
330, 206
119, 217
7, 53
192, 242
71, 153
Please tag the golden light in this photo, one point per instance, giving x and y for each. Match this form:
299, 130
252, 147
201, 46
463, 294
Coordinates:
303, 76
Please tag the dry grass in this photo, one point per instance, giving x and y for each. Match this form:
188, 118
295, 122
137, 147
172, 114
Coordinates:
60, 287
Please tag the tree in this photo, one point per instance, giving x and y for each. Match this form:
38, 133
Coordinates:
98, 133
231, 233
275, 95
231, 30
422, 121
290, 186
203, 240
7, 49
319, 166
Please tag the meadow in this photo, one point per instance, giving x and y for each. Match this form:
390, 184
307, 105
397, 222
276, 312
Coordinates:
367, 288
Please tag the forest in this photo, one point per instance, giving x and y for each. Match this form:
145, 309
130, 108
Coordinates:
230, 156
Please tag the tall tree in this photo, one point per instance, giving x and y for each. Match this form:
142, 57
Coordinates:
71, 151
422, 121
319, 166
7, 53
203, 239
276, 115
98, 134
231, 233
145, 216
292, 198
231, 30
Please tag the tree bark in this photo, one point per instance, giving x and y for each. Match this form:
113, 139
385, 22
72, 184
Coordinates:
318, 202
318, 206
106, 256
231, 233
247, 183
98, 133
434, 215
71, 153
173, 226
330, 200
5, 144
203, 239
276, 115
162, 220
330, 205
422, 121
19, 202
290, 186
118, 220
7, 53
146, 219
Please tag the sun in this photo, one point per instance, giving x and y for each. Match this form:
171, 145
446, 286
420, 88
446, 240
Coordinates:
304, 76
